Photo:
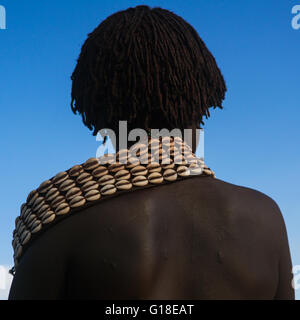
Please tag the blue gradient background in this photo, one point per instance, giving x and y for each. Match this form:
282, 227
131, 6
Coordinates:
253, 142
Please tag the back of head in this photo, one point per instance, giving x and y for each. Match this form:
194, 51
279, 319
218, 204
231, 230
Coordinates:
146, 66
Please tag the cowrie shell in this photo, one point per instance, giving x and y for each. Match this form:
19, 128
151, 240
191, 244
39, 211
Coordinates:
75, 171
36, 227
195, 169
23, 209
38, 203
167, 165
183, 171
99, 172
123, 185
46, 214
77, 202
43, 209
60, 177
14, 243
179, 159
206, 171
27, 213
114, 167
153, 167
91, 164
19, 250
45, 186
25, 237
122, 175
62, 209
74, 192
51, 194
18, 222
170, 175
90, 185
92, 195
67, 185
139, 171
108, 189
32, 222
84, 177
57, 201
30, 218
21, 229
49, 218
31, 197
140, 181
155, 178
107, 179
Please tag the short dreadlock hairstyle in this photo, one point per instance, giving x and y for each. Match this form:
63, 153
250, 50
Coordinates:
146, 66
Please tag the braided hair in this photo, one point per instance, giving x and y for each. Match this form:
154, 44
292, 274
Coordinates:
146, 66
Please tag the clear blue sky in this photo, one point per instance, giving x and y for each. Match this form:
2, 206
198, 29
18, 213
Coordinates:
253, 142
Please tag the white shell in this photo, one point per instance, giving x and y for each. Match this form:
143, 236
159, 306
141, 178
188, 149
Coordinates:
155, 178
140, 181
183, 171
60, 177
123, 185
77, 202
90, 185
92, 195
108, 189
72, 193
49, 219
62, 209
170, 175
91, 164
122, 175
107, 179
100, 171
139, 171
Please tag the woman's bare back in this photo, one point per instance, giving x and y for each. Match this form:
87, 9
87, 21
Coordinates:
199, 238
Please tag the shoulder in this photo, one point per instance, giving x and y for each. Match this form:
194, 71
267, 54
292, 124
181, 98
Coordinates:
255, 199
217, 191
240, 204
250, 206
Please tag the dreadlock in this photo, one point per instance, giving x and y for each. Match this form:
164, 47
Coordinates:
146, 66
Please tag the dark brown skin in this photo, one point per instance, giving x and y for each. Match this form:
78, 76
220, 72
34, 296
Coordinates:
200, 238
